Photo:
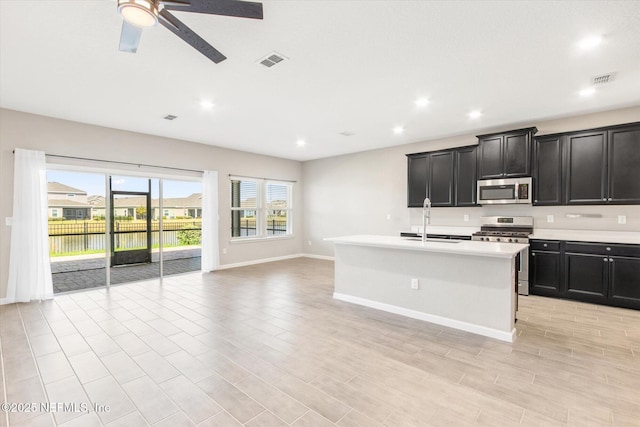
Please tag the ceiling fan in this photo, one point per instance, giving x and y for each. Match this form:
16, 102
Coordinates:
140, 14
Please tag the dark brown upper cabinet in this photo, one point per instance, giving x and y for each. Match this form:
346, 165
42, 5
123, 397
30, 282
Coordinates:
603, 166
418, 171
624, 165
447, 177
547, 170
465, 176
586, 164
440, 182
505, 155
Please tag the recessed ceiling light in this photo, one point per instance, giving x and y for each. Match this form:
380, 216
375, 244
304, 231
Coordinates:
590, 42
398, 130
206, 105
475, 114
301, 143
422, 102
588, 91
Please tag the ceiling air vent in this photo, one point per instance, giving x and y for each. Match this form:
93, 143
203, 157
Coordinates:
605, 78
271, 59
170, 117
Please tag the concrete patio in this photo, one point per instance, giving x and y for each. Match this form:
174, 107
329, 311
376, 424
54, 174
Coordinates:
90, 272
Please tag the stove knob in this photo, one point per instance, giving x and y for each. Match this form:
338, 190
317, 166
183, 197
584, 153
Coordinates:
497, 239
511, 240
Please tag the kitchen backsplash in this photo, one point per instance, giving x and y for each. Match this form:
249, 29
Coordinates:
549, 217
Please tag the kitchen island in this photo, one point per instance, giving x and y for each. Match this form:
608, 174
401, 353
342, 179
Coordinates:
465, 285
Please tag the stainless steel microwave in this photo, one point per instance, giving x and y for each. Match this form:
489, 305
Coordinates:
504, 191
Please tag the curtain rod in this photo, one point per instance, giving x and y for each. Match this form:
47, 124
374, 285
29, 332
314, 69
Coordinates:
261, 177
120, 163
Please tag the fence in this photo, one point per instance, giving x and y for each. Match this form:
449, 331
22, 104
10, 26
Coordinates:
274, 227
89, 236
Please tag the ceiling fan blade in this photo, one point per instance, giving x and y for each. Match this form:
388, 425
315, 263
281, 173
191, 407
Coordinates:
238, 8
178, 28
129, 37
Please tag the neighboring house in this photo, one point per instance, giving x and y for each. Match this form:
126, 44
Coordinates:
133, 206
71, 203
67, 202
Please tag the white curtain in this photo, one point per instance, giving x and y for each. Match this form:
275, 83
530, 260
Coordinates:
29, 268
210, 251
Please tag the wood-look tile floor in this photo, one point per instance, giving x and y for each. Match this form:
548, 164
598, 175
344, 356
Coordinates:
266, 345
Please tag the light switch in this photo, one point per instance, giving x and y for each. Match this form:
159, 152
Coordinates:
622, 219
466, 218
549, 218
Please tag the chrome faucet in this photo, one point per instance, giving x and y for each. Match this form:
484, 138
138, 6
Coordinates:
426, 217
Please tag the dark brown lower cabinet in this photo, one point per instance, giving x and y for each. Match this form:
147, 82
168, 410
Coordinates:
586, 277
624, 281
545, 273
591, 272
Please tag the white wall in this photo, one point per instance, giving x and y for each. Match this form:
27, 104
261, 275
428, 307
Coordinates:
54, 136
367, 192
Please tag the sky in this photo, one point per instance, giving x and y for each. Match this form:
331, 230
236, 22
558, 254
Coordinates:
94, 184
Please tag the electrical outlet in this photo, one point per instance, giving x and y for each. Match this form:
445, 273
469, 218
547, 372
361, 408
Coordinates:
549, 218
224, 250
466, 218
622, 219
388, 216
309, 242
415, 284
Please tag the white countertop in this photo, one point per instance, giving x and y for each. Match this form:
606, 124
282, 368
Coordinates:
458, 247
624, 237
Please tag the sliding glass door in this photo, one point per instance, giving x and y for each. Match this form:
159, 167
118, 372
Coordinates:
110, 229
77, 242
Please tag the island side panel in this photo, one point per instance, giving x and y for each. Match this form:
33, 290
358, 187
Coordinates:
472, 293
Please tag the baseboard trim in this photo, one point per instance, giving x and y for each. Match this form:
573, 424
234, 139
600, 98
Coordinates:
322, 257
432, 318
279, 258
4, 301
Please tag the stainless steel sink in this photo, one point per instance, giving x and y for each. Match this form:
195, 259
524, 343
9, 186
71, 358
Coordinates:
418, 239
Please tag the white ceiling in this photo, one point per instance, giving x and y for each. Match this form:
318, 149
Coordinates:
354, 66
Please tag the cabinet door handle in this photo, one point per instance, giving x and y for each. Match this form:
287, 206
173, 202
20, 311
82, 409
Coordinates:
608, 248
533, 254
604, 199
610, 259
605, 259
545, 245
609, 198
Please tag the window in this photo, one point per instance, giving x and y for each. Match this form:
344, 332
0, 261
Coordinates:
54, 213
260, 208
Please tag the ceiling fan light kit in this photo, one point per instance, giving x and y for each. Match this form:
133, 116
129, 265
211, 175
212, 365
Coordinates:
140, 13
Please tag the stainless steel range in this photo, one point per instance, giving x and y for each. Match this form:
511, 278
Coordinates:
509, 229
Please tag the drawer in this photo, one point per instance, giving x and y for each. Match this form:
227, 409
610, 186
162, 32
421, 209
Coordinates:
603, 249
544, 245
